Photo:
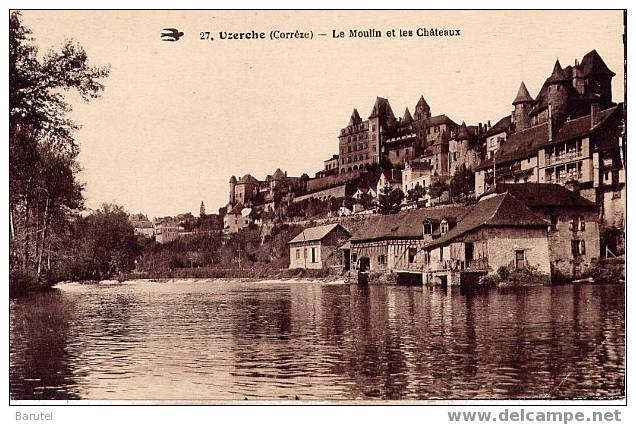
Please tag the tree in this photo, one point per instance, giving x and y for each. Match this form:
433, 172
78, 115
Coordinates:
437, 189
416, 193
463, 182
367, 200
390, 200
202, 210
104, 245
42, 167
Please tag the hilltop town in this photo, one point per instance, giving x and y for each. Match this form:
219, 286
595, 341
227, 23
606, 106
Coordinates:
422, 195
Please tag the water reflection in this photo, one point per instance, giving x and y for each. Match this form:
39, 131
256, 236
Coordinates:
281, 340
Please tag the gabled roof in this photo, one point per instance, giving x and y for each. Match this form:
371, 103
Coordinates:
317, 233
542, 195
404, 225
520, 145
502, 210
522, 95
440, 119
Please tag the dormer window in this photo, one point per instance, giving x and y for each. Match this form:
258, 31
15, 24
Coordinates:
428, 228
443, 227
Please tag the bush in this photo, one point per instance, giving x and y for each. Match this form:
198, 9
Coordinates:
489, 280
610, 270
21, 281
503, 272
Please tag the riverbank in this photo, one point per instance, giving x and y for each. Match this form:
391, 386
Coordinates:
254, 273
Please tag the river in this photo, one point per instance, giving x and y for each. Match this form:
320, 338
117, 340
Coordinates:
215, 340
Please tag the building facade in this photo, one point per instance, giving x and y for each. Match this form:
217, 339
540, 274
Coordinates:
317, 247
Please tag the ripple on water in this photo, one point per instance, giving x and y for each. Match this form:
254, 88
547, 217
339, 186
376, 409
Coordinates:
212, 340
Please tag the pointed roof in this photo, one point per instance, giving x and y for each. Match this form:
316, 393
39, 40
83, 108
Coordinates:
592, 64
558, 75
422, 103
355, 118
381, 109
462, 132
522, 95
407, 119
233, 179
278, 174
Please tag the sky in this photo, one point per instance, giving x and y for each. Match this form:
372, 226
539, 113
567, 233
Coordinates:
177, 119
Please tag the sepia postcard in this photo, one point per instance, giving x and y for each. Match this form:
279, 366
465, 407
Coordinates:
318, 207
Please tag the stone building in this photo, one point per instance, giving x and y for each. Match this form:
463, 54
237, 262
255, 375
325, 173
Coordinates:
249, 191
142, 225
317, 247
236, 219
389, 141
168, 230
571, 133
573, 234
454, 245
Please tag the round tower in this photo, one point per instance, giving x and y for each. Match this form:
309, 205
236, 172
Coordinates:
232, 193
523, 105
558, 94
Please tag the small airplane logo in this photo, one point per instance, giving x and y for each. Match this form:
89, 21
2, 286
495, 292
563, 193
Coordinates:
171, 34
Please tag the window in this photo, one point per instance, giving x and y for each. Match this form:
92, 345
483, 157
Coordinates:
297, 253
313, 255
382, 260
443, 227
520, 259
578, 247
554, 220
441, 253
305, 253
428, 229
616, 194
412, 255
427, 257
577, 223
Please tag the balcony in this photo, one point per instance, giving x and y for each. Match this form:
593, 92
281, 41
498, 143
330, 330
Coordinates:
479, 264
563, 157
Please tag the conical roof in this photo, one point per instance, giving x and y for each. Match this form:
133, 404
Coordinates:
558, 75
462, 132
407, 119
355, 118
522, 95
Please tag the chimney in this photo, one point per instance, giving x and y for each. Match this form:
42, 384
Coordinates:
550, 124
594, 115
488, 123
